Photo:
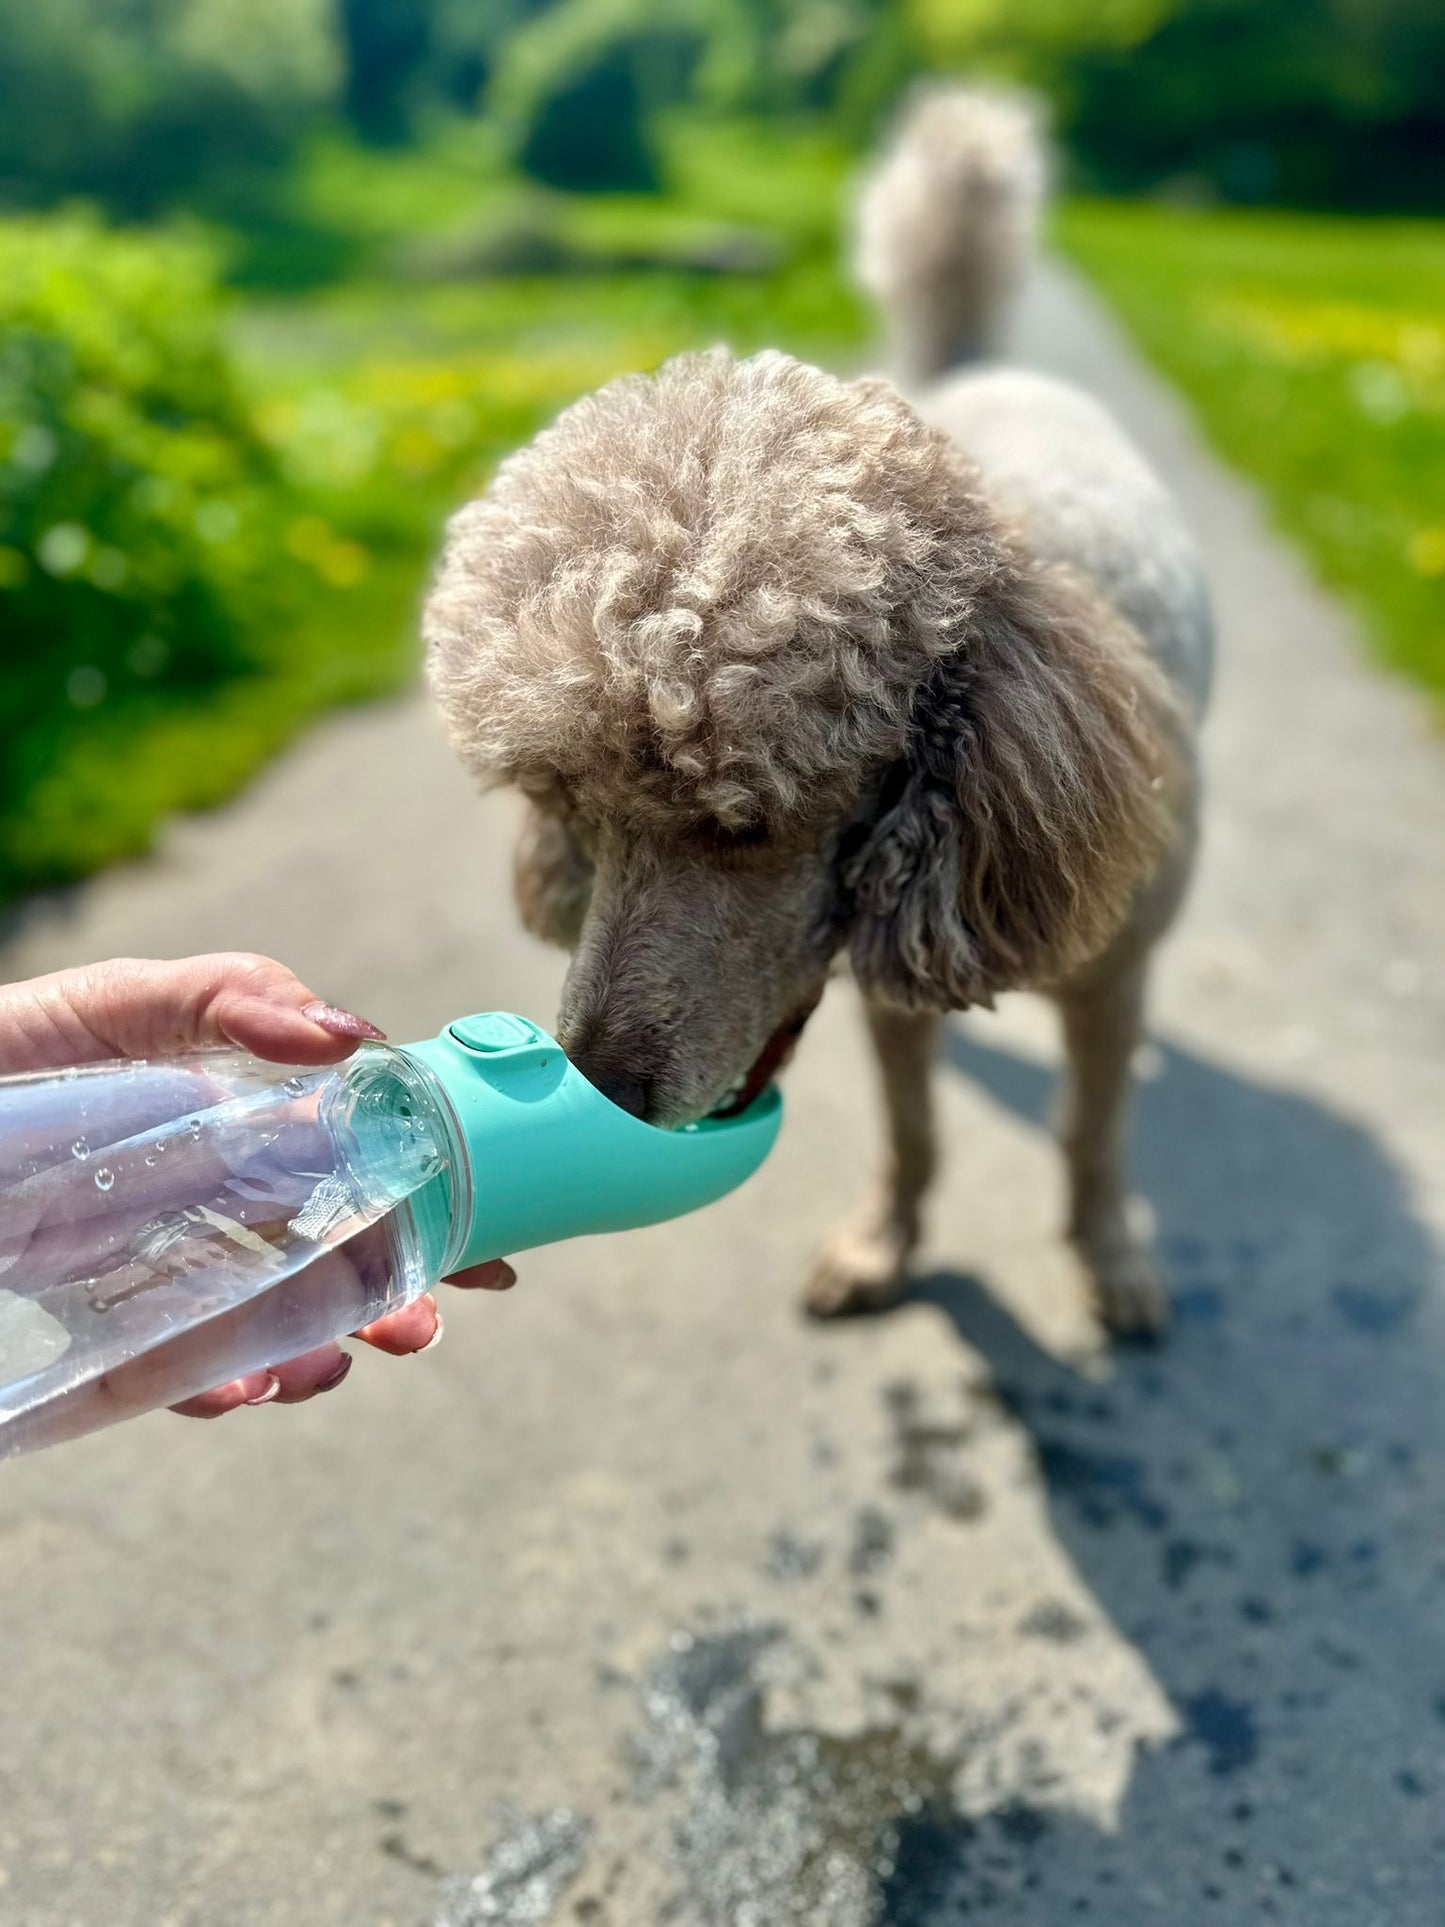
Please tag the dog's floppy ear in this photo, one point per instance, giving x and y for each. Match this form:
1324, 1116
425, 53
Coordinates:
551, 878
1032, 801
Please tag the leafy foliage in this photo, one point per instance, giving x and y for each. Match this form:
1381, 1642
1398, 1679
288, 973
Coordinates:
576, 88
145, 103
136, 541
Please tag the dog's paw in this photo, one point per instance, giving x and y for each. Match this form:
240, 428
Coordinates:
1125, 1287
859, 1269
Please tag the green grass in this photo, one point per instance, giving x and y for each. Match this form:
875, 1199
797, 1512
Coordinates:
1313, 349
114, 773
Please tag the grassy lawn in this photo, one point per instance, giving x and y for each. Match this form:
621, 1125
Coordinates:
1313, 350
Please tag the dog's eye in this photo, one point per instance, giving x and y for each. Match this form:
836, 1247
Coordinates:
731, 839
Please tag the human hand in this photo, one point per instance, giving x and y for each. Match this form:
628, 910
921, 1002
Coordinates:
134, 1007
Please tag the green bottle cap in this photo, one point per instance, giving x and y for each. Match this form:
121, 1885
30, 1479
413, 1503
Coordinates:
549, 1157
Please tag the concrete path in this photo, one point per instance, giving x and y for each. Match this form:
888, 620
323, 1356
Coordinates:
641, 1601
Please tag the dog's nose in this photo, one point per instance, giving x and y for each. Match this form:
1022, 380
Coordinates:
627, 1092
613, 1057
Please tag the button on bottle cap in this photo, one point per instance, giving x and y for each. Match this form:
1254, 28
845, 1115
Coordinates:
495, 1030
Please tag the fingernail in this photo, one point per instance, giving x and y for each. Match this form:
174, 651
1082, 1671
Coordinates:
342, 1368
434, 1340
273, 1390
341, 1023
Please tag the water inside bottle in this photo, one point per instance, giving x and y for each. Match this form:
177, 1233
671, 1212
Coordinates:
167, 1226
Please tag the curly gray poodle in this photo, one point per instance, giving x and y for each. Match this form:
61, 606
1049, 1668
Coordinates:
793, 667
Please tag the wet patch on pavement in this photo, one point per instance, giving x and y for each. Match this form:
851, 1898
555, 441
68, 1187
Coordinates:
788, 1824
1103, 1487
528, 1872
790, 1557
1051, 1619
871, 1550
1224, 1727
928, 1455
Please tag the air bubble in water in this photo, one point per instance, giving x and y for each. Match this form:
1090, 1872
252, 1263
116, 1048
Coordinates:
150, 1159
293, 1087
80, 1149
104, 1178
196, 1127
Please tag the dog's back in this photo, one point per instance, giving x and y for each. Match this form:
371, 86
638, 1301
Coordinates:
947, 226
1055, 459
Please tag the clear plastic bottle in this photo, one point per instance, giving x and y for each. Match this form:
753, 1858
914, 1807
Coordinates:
167, 1226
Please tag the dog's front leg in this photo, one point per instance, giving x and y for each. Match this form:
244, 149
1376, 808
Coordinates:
862, 1267
1103, 1019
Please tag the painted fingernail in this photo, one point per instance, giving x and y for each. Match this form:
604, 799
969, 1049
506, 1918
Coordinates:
434, 1340
343, 1366
273, 1390
341, 1023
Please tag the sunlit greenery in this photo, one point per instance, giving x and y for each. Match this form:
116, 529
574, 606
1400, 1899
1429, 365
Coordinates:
1313, 349
209, 537
340, 255
139, 513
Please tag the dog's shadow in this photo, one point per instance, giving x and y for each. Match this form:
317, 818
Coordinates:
1257, 1508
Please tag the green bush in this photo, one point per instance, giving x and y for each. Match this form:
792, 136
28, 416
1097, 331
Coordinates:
138, 552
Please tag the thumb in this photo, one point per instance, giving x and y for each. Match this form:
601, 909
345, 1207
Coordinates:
143, 1007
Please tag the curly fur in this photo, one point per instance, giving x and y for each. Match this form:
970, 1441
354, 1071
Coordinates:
736, 594
552, 880
1040, 790
947, 220
710, 592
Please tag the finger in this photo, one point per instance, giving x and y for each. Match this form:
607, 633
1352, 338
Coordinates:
257, 1388
261, 1006
415, 1328
495, 1275
143, 1007
321, 1370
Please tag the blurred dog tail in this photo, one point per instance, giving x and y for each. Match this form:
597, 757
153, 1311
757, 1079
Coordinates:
947, 223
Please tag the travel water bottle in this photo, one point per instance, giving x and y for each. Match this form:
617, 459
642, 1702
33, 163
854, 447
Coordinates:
169, 1225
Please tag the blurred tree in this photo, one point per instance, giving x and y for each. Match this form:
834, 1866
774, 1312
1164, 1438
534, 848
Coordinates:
1337, 102
140, 103
281, 51
576, 87
1030, 40
387, 42
466, 41
787, 56
132, 101
1305, 101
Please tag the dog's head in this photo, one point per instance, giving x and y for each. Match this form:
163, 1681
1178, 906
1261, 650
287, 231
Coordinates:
777, 685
